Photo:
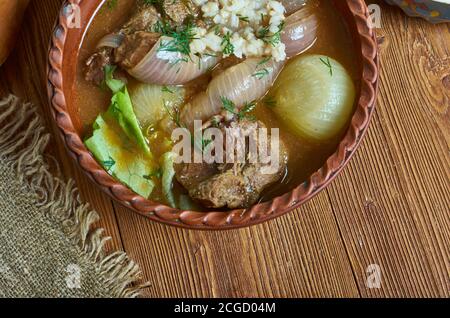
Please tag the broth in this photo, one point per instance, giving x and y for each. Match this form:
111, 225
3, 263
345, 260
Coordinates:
305, 155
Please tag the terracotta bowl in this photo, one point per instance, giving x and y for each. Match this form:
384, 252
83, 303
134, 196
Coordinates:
63, 53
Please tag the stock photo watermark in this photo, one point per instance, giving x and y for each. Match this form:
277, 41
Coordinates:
73, 14
73, 278
373, 280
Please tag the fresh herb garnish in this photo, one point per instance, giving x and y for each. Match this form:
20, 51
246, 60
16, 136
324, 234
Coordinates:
174, 114
328, 64
229, 106
272, 39
260, 74
108, 164
166, 89
243, 19
181, 37
264, 61
228, 48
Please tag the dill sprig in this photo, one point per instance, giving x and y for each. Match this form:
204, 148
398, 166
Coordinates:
248, 107
260, 74
272, 39
228, 48
174, 114
181, 37
328, 64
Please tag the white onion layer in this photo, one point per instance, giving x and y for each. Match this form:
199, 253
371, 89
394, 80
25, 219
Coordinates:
111, 40
300, 32
170, 68
292, 5
243, 83
250, 80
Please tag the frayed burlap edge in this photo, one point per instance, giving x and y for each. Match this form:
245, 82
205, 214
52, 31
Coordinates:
23, 140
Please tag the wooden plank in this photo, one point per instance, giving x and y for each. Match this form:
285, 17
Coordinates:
24, 75
392, 203
298, 255
389, 207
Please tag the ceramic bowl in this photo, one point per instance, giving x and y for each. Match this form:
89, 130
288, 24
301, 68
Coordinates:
62, 66
435, 11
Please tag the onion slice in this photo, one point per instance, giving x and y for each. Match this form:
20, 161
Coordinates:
164, 67
250, 80
243, 83
300, 32
292, 5
111, 40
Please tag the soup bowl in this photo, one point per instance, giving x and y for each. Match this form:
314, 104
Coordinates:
69, 31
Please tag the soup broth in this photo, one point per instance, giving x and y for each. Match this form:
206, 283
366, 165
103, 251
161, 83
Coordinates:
306, 155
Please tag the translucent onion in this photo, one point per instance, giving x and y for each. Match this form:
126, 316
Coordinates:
152, 102
111, 40
171, 68
300, 32
250, 80
292, 5
314, 96
243, 83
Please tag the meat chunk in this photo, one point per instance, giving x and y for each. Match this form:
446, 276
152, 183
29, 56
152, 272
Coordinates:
138, 42
179, 10
191, 175
143, 19
95, 65
134, 48
232, 185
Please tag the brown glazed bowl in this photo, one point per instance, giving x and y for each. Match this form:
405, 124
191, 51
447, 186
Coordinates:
62, 69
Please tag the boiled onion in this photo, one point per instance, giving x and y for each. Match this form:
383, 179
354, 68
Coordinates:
111, 40
300, 32
166, 67
151, 103
243, 83
314, 97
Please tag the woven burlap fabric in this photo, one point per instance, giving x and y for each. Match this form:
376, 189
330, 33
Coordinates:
49, 246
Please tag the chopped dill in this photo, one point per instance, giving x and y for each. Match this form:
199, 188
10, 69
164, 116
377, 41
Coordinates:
166, 89
260, 74
272, 39
173, 114
108, 164
228, 48
264, 61
328, 64
181, 37
248, 107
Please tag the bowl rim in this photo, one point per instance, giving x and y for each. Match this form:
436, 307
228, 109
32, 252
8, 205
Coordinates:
232, 219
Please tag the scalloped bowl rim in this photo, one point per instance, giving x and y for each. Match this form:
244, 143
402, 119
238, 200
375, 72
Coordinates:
235, 218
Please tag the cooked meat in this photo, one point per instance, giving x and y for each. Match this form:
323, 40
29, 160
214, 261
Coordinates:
134, 47
191, 175
236, 185
179, 10
138, 42
143, 19
95, 65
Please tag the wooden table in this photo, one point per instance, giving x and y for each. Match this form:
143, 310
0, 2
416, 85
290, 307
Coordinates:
390, 207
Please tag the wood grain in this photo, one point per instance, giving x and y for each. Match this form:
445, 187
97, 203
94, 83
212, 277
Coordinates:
389, 207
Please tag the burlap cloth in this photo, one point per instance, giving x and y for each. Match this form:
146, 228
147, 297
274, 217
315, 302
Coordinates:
48, 245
